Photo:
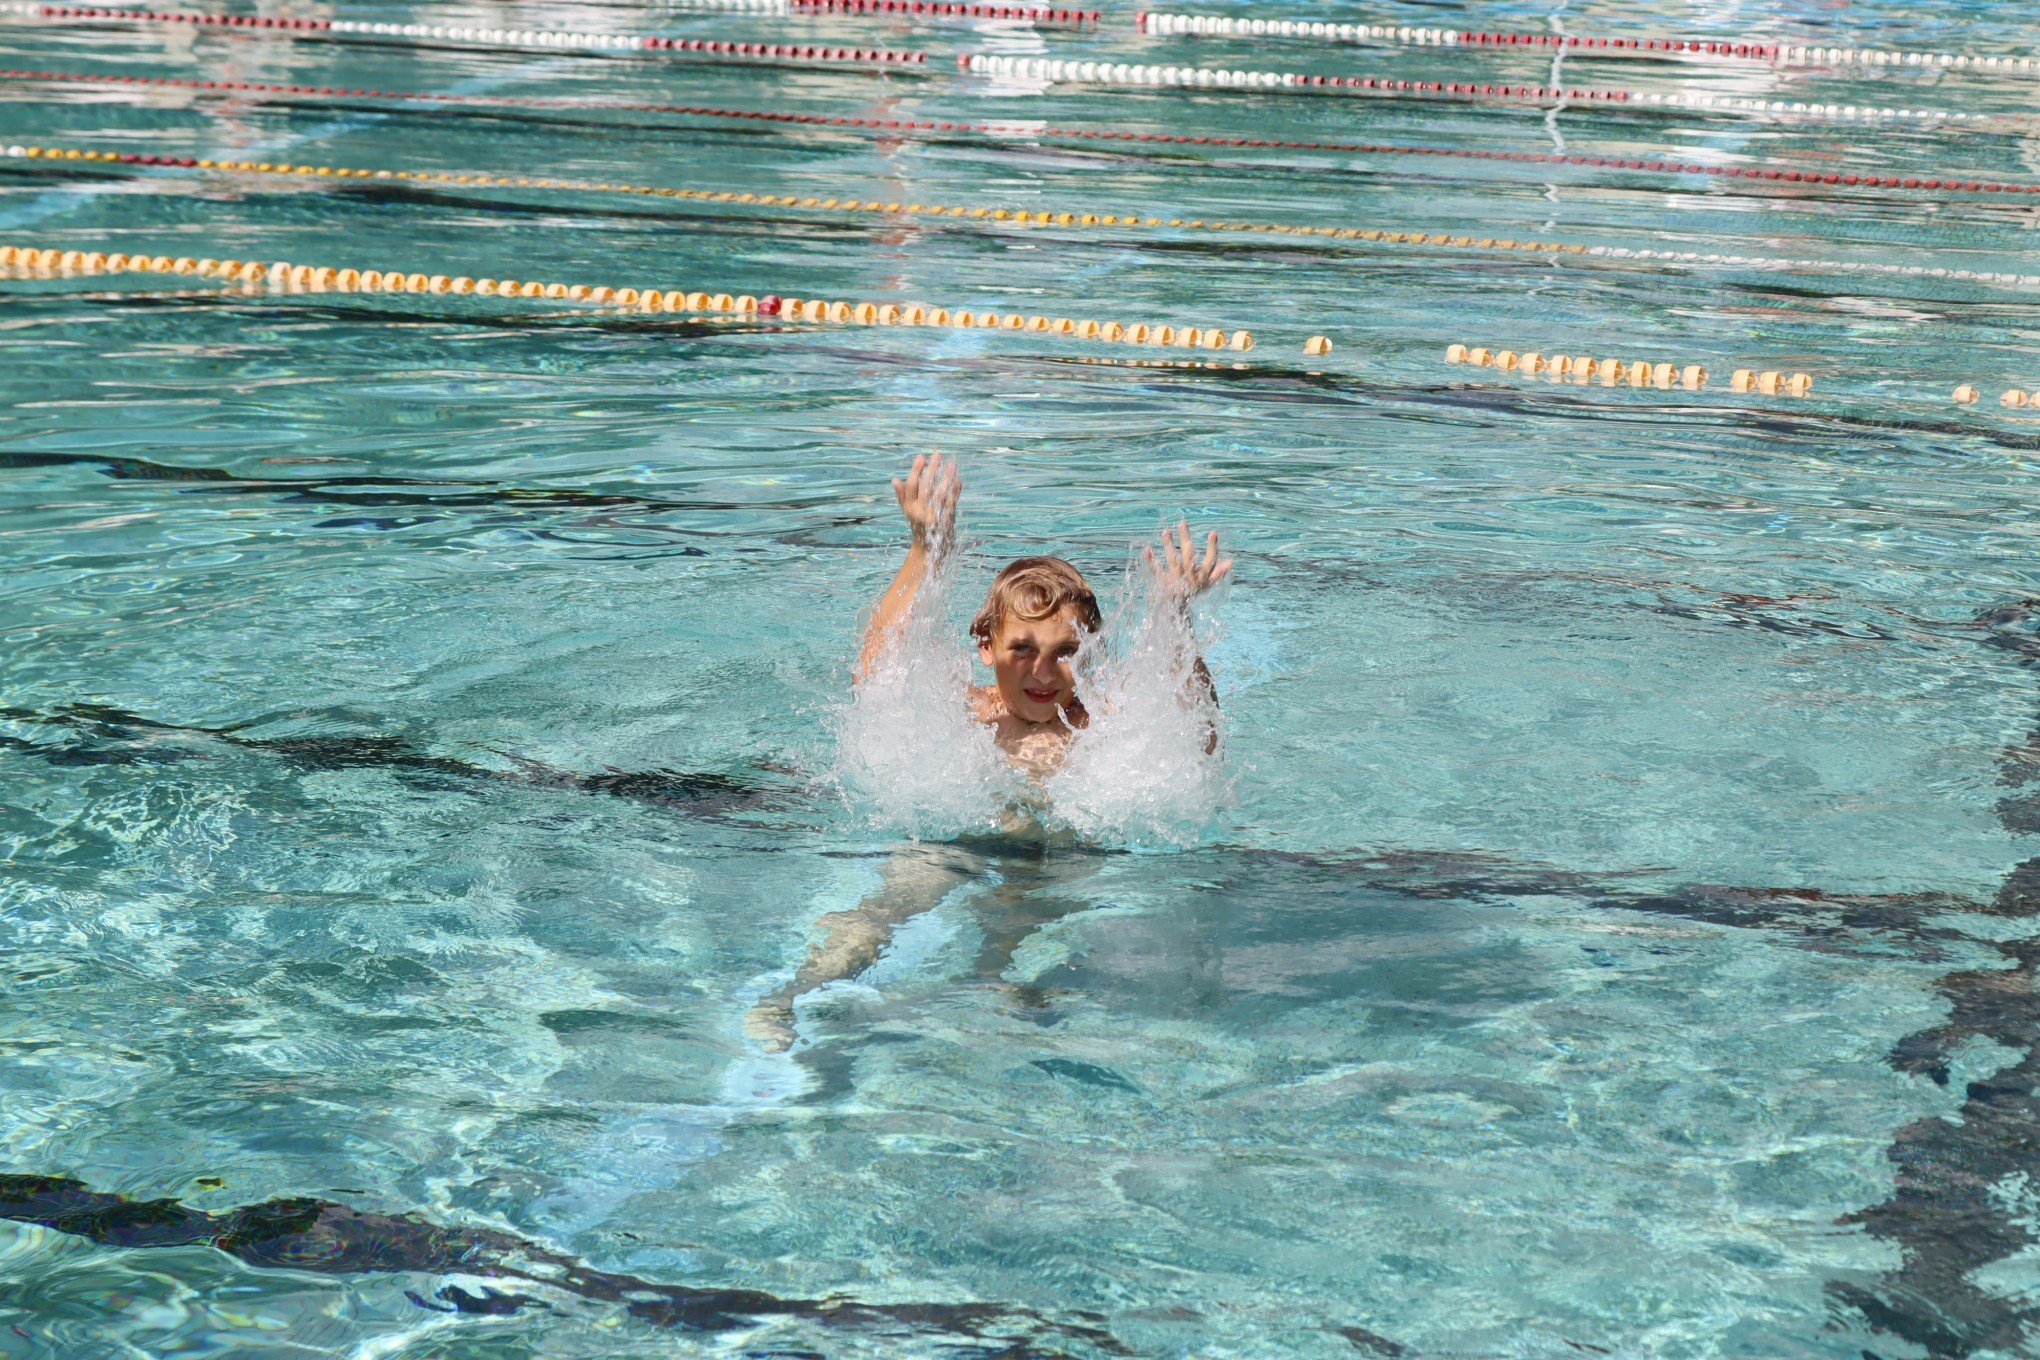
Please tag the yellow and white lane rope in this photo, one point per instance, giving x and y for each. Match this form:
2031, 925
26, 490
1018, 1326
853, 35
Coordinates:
258, 278
1056, 71
283, 275
1582, 369
1585, 368
1039, 217
1731, 49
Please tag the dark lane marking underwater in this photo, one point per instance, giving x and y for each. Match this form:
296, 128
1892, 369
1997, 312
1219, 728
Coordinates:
95, 734
1944, 1215
1823, 921
372, 490
92, 734
325, 1238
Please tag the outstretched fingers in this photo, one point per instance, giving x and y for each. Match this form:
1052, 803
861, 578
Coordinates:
1215, 567
1181, 567
928, 493
1178, 553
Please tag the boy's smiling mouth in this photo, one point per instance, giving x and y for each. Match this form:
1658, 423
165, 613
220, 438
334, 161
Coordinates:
1041, 696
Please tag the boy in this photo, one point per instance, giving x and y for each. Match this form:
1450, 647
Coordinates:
1038, 612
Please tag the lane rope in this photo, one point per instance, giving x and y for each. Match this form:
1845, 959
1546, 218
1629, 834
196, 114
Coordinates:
544, 39
917, 9
1032, 217
1051, 70
284, 277
283, 274
1402, 35
943, 9
259, 278
1934, 183
1583, 369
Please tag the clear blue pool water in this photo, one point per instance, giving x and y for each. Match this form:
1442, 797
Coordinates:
418, 745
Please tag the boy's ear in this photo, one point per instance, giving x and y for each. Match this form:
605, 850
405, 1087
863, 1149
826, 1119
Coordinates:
985, 651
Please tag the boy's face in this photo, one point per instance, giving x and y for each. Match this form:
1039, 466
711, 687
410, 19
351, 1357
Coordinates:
1030, 663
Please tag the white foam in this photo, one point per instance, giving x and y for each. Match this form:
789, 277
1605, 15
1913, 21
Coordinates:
913, 758
1140, 773
909, 752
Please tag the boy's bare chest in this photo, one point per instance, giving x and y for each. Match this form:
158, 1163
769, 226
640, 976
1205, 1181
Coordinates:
1036, 747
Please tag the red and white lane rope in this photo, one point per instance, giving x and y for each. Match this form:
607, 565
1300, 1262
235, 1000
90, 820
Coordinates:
909, 9
1943, 183
548, 39
1402, 35
943, 9
1124, 74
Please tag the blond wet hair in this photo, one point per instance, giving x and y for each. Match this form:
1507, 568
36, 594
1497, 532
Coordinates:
1035, 588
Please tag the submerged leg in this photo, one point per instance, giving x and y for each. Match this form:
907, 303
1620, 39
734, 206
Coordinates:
911, 882
1035, 890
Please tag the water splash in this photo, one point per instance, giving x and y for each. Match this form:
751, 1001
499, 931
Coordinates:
1149, 768
910, 753
912, 756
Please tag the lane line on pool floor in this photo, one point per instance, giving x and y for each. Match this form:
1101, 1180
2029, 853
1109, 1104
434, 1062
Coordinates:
516, 38
1083, 221
1945, 182
1770, 52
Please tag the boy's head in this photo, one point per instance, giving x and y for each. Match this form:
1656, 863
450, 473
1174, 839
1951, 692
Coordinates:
1038, 610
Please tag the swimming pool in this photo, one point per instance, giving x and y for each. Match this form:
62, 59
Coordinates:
418, 746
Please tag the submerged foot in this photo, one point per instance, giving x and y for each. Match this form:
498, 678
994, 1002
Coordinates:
1031, 1002
769, 1024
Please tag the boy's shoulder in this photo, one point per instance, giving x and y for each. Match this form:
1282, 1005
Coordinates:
985, 704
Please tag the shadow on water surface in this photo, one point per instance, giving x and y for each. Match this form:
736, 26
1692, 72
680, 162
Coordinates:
321, 1237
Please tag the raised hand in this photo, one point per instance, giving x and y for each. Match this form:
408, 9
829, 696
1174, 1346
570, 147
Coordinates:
1184, 575
927, 496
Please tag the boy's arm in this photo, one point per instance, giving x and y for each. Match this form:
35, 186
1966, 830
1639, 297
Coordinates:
1183, 576
927, 496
